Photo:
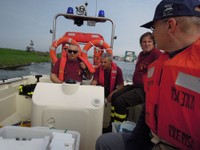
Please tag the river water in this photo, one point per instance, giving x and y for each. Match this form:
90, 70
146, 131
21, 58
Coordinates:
44, 68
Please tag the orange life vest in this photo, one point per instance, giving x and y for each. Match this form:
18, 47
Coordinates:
113, 76
63, 64
63, 41
172, 89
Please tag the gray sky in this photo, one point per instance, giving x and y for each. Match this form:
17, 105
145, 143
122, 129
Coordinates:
24, 20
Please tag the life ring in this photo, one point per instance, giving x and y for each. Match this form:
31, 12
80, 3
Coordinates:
97, 53
56, 43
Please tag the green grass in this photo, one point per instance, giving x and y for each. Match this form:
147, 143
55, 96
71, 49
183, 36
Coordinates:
14, 57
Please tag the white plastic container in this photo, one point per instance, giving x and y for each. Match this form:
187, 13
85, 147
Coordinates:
35, 138
79, 110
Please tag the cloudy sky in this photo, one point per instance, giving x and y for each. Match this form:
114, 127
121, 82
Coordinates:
24, 20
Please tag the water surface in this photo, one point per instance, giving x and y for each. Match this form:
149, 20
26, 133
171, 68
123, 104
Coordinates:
44, 68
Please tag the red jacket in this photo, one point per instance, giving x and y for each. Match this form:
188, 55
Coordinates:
172, 89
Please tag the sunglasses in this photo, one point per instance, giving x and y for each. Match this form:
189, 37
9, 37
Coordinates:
72, 51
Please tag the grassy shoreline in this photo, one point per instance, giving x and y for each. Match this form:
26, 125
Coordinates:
12, 58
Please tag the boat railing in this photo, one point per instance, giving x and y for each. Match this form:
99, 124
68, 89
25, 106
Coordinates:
84, 18
12, 80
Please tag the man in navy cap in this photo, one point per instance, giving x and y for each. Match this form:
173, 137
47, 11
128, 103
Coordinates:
171, 117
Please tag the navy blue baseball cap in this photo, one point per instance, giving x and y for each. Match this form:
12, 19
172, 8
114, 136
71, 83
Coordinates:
174, 8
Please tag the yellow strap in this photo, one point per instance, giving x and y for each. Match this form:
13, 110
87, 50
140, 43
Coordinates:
120, 116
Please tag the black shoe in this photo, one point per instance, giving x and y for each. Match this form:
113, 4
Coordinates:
108, 129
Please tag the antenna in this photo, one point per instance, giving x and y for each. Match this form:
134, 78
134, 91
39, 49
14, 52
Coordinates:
86, 4
96, 9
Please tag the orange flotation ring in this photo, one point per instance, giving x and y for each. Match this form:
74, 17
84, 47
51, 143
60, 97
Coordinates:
56, 43
100, 45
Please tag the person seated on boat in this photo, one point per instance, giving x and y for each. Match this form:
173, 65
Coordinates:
108, 75
166, 123
71, 66
132, 95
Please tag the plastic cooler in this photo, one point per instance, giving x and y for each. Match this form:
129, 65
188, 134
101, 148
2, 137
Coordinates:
37, 138
70, 106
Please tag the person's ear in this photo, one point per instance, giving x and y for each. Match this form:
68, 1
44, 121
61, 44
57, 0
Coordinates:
171, 24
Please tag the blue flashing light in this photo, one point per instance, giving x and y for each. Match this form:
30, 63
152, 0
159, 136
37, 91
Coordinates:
70, 10
101, 13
